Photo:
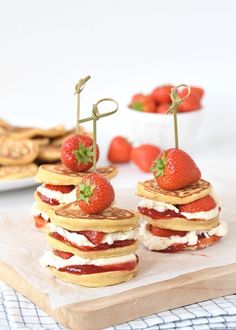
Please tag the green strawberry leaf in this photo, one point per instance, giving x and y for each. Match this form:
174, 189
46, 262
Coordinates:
86, 191
137, 106
159, 166
83, 154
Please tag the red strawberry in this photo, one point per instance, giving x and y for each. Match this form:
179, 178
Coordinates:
162, 108
197, 91
95, 237
162, 94
62, 254
77, 153
143, 103
95, 194
166, 232
175, 169
119, 150
144, 156
203, 204
192, 103
62, 189
39, 221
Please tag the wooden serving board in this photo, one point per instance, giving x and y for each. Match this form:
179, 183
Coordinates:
104, 312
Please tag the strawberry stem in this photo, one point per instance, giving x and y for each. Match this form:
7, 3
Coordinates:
176, 101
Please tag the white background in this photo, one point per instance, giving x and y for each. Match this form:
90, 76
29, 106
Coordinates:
126, 46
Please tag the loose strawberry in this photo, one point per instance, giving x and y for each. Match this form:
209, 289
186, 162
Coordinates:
119, 150
77, 153
192, 103
95, 237
143, 103
95, 194
144, 156
62, 189
175, 169
197, 91
163, 108
162, 94
206, 203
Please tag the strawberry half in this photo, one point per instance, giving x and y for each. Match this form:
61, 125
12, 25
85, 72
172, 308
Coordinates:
175, 169
77, 153
95, 237
62, 189
206, 203
95, 194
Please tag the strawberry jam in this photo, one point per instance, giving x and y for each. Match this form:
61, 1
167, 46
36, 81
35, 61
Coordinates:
154, 214
51, 201
166, 232
93, 269
99, 247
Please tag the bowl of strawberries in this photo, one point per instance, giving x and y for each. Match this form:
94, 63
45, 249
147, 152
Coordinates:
148, 119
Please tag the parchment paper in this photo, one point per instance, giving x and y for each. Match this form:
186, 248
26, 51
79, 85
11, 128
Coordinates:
21, 246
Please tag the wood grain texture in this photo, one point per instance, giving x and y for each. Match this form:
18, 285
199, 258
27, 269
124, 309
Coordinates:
107, 311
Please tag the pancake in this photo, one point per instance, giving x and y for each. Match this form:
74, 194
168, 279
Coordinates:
183, 224
113, 219
150, 189
109, 253
58, 174
17, 152
41, 141
30, 132
49, 154
95, 280
17, 171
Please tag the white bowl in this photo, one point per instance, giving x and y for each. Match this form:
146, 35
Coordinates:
158, 129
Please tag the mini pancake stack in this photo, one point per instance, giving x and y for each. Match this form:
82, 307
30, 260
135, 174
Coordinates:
58, 187
178, 219
92, 249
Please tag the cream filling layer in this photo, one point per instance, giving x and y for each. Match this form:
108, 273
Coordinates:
35, 211
81, 240
59, 196
50, 259
153, 242
162, 207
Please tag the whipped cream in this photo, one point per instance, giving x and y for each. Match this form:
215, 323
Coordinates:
158, 206
59, 196
35, 211
81, 240
206, 215
50, 259
153, 242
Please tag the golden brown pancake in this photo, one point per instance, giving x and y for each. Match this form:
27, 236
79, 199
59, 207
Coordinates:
95, 280
12, 172
58, 174
109, 253
45, 207
69, 216
49, 154
150, 189
183, 224
17, 152
41, 141
30, 132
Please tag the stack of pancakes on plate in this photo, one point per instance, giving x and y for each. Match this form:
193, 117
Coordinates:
169, 223
92, 249
58, 187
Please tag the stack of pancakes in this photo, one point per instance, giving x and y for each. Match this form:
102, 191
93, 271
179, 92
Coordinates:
165, 228
58, 187
92, 250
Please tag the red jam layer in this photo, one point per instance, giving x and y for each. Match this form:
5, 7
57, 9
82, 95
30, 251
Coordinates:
166, 232
62, 189
47, 200
154, 214
92, 269
99, 247
202, 243
40, 222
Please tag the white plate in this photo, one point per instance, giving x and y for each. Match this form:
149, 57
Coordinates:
17, 184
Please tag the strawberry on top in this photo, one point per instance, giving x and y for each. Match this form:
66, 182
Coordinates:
77, 153
95, 194
175, 169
